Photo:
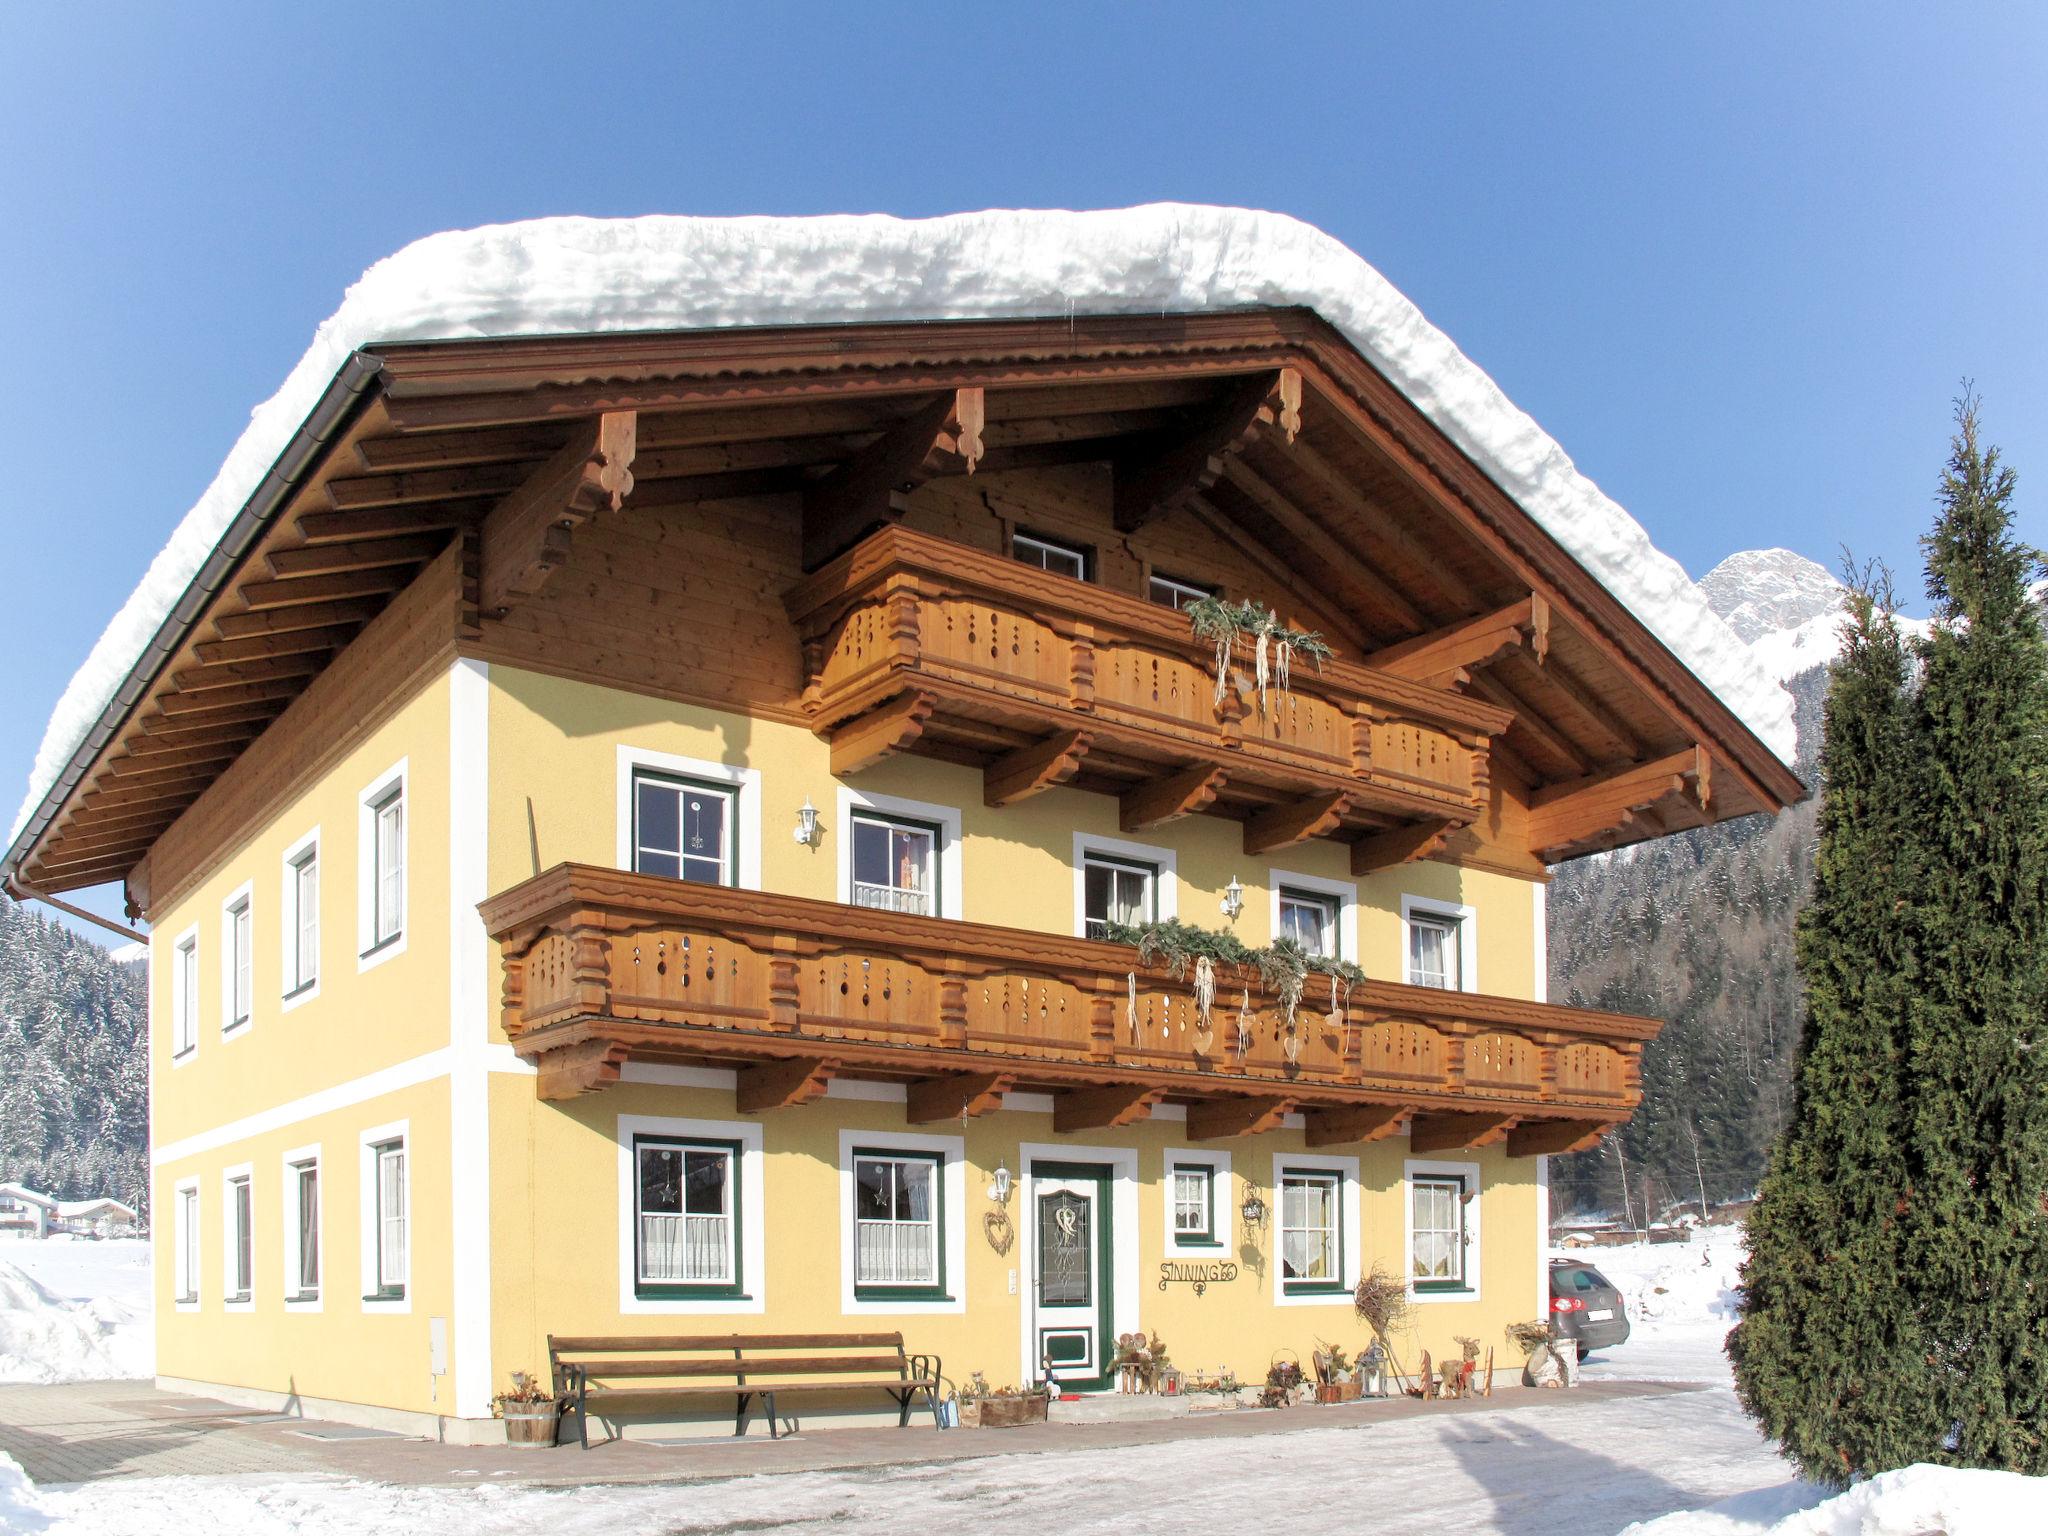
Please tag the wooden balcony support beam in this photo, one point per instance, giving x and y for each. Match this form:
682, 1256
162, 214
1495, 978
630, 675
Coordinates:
1158, 472
1168, 799
1569, 813
571, 1071
1354, 1123
1283, 826
880, 733
1457, 1129
1096, 1109
1401, 845
526, 536
783, 1084
1218, 1119
956, 1096
1554, 1138
1031, 770
941, 435
1470, 644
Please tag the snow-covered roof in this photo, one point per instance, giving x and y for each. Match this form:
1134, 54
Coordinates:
576, 275
33, 1196
94, 1207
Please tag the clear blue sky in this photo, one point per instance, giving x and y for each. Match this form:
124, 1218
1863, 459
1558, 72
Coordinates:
1735, 258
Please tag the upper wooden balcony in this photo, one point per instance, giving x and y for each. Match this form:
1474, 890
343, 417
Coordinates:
913, 643
602, 967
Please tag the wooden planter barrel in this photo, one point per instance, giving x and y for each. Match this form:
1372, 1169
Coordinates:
530, 1427
1003, 1412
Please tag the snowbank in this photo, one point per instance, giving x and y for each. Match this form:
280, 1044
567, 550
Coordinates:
1682, 1298
1913, 1501
21, 1512
551, 276
75, 1312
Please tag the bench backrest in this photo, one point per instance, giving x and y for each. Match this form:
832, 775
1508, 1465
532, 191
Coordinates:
737, 1355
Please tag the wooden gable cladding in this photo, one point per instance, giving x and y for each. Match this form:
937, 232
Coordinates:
601, 966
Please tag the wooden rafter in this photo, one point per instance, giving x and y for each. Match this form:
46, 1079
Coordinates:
1218, 1119
1030, 770
956, 1096
880, 733
289, 620
292, 642
526, 537
1343, 1125
1382, 527
1401, 845
1456, 1129
1094, 1109
943, 434
390, 522
782, 1084
1330, 615
1469, 644
1341, 562
1157, 473
1553, 1138
1582, 808
423, 485
1158, 801
1530, 723
1282, 826
297, 591
221, 674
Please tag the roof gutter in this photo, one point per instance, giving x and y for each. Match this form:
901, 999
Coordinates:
345, 395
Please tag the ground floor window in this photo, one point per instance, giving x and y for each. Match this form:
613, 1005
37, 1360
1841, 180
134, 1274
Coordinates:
240, 1256
302, 1217
393, 1234
185, 1243
897, 1225
1194, 1204
1437, 1237
1311, 1234
686, 1227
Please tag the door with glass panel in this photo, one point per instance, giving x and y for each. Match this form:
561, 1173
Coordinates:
1070, 1270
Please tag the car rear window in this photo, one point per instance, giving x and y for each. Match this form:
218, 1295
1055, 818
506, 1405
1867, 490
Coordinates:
1578, 1277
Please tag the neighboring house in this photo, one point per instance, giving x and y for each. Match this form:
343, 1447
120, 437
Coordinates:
25, 1212
632, 816
105, 1217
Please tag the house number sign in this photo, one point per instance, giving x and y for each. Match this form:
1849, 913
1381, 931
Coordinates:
1199, 1273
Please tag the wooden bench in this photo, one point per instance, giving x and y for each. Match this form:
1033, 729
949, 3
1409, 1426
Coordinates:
745, 1365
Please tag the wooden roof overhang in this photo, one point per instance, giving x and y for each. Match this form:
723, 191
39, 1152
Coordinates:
1265, 424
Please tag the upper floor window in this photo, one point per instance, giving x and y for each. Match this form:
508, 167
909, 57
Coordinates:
895, 864
1050, 555
1117, 891
185, 996
387, 866
302, 919
1310, 920
235, 960
683, 829
1170, 592
1435, 940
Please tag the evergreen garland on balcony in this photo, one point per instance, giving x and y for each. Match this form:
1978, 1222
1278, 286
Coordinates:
1283, 967
1257, 630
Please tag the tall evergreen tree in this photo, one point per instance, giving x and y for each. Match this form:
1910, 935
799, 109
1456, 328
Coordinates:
1827, 1354
1976, 1227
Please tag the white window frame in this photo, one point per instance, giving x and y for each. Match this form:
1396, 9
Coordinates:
230, 1245
295, 1298
1223, 1214
1184, 592
1349, 1246
946, 858
370, 953
292, 988
952, 1152
1166, 889
745, 784
1412, 1169
1044, 545
1343, 892
185, 975
242, 896
370, 1214
752, 1207
1467, 919
185, 1250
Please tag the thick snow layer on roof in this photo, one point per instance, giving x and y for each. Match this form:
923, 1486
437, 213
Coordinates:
555, 276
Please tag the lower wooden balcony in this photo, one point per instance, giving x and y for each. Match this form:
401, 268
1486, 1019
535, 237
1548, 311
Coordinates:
603, 967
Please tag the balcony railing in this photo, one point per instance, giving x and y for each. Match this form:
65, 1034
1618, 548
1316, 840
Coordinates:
913, 643
603, 966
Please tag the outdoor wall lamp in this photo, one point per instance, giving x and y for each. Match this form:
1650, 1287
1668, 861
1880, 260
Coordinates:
1233, 899
807, 823
999, 1189
1253, 1210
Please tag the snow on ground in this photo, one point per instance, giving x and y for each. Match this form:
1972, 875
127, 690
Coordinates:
75, 1311
1913, 1501
552, 276
1682, 1299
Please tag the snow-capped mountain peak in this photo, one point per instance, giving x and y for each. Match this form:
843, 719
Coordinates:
1765, 591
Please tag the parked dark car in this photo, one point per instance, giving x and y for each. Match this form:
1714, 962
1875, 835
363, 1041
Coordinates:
1585, 1305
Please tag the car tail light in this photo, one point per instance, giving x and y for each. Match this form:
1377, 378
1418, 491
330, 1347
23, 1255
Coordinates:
1566, 1304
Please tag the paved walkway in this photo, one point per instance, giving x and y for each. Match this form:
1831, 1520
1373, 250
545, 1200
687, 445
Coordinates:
88, 1431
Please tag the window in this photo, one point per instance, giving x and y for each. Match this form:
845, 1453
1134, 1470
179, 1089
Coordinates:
1310, 920
1174, 594
185, 997
1194, 1205
682, 830
895, 865
1433, 945
302, 1219
235, 964
240, 1237
686, 1230
1050, 555
302, 919
897, 1220
388, 1162
1310, 1235
185, 1244
1437, 1237
386, 871
1120, 891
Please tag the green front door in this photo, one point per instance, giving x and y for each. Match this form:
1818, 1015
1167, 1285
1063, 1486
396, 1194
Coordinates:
1071, 1272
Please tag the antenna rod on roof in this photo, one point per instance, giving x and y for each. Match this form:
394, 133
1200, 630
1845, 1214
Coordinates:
22, 893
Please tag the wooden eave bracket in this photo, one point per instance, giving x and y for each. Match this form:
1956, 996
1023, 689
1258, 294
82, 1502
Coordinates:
1158, 473
783, 1084
1448, 656
941, 436
526, 536
1218, 1119
1162, 800
1554, 1138
881, 732
1569, 813
1095, 1109
1453, 1131
1346, 1125
1401, 845
957, 1096
570, 1071
1282, 826
1031, 770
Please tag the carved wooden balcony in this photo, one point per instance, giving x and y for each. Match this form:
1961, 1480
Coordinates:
602, 967
912, 643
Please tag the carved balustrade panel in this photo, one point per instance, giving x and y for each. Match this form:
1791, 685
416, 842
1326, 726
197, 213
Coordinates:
992, 646
873, 996
1402, 1051
680, 975
1503, 1062
1423, 758
861, 649
1152, 687
1300, 723
1589, 1070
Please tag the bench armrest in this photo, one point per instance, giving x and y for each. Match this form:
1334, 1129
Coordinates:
923, 1367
